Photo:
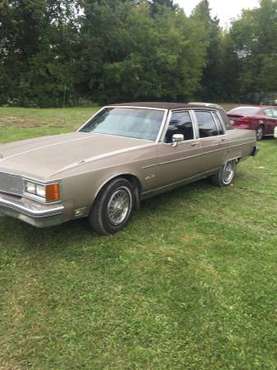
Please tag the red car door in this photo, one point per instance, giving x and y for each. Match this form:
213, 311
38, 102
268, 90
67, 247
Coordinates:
270, 120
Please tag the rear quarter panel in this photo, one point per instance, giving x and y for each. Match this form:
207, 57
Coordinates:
240, 143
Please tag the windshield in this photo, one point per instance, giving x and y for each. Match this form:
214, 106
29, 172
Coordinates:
130, 122
245, 111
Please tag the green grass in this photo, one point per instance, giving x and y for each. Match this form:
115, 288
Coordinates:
190, 284
22, 123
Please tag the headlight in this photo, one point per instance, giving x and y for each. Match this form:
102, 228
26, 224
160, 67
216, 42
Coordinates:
30, 187
40, 191
47, 193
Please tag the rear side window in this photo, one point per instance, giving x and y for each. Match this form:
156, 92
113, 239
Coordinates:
206, 124
219, 123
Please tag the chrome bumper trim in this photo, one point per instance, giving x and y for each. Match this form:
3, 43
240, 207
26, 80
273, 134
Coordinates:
29, 208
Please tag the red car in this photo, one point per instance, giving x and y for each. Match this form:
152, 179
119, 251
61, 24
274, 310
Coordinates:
263, 119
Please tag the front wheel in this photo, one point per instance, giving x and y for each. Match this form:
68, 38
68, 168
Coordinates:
113, 208
225, 174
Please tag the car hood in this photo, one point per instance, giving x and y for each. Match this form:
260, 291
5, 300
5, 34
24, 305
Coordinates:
48, 156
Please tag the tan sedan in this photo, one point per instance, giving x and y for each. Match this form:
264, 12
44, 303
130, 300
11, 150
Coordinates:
121, 155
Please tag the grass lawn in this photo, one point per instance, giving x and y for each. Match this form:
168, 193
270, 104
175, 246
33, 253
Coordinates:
190, 284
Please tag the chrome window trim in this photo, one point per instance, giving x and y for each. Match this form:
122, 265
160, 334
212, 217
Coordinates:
219, 128
162, 128
90, 118
165, 127
189, 111
133, 107
212, 112
195, 123
221, 121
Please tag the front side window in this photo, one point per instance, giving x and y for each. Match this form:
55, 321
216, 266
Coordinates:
206, 124
180, 123
129, 122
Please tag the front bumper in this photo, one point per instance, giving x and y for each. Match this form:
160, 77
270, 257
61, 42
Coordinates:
36, 214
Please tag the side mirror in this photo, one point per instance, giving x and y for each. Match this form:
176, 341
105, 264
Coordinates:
177, 138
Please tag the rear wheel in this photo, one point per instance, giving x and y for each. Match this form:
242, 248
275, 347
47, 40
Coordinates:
260, 133
113, 208
225, 174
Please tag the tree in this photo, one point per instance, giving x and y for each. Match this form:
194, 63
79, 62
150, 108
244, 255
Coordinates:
131, 55
53, 52
254, 38
230, 67
211, 88
36, 51
158, 5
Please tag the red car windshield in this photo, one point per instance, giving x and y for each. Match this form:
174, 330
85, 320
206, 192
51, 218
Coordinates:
244, 111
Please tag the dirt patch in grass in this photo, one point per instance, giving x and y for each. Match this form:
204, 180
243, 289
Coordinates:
21, 122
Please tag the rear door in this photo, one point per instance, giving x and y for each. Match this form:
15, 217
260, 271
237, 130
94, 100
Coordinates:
213, 140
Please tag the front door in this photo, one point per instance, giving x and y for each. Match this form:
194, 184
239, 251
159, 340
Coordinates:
178, 162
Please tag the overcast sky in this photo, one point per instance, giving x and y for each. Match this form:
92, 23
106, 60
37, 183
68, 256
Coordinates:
225, 10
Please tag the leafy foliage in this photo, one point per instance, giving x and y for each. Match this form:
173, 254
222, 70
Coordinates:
211, 86
56, 52
254, 41
140, 56
36, 51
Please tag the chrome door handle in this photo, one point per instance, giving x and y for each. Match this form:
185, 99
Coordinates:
195, 144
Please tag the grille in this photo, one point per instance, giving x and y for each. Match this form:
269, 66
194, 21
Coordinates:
11, 184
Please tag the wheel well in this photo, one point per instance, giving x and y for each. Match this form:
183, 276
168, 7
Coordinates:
132, 179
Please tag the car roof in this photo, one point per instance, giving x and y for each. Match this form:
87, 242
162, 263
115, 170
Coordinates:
167, 105
253, 106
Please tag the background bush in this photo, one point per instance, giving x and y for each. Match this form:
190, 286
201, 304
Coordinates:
58, 53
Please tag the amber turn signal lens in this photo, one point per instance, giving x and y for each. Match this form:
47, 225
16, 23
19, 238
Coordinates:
53, 193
